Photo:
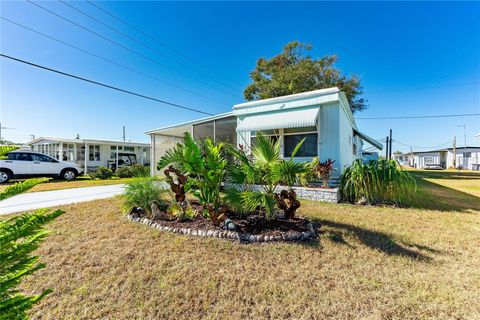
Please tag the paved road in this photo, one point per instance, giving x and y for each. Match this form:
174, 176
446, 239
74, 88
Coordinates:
47, 199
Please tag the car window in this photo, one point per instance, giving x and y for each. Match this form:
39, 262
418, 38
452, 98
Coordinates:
41, 158
12, 156
18, 156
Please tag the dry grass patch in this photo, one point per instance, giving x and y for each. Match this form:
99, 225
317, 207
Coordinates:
368, 263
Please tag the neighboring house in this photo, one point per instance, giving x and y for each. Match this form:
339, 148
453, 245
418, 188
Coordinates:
323, 117
466, 158
98, 152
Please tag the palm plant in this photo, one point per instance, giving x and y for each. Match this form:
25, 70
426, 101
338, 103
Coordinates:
266, 168
204, 165
19, 237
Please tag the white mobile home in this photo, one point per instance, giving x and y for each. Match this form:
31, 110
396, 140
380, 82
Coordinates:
467, 158
323, 117
90, 153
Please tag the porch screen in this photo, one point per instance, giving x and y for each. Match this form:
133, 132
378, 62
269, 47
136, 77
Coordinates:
225, 130
202, 131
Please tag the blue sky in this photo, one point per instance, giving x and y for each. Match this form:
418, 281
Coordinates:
391, 46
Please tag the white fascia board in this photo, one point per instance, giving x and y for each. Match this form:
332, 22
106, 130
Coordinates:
82, 141
282, 103
282, 99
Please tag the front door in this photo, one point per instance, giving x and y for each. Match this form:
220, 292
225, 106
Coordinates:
43, 164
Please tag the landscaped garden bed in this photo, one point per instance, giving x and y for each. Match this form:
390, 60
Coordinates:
253, 228
258, 203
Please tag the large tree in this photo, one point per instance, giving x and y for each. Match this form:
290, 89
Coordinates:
294, 71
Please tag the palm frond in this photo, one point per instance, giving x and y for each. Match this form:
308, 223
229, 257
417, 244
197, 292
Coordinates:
6, 149
265, 150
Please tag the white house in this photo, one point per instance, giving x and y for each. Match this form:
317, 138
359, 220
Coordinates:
90, 153
323, 117
466, 158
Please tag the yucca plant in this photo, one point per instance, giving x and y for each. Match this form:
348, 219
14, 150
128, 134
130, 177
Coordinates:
267, 168
381, 181
19, 237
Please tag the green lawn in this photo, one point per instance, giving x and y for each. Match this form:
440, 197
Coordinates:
368, 263
55, 184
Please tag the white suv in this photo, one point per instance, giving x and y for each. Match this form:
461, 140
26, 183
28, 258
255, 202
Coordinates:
24, 164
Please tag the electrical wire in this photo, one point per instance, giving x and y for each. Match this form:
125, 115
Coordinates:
163, 44
417, 147
112, 62
422, 117
425, 88
142, 43
104, 85
125, 47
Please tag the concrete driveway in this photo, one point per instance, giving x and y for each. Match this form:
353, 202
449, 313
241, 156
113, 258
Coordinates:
48, 199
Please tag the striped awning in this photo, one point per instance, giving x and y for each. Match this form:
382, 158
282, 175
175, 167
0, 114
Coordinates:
279, 120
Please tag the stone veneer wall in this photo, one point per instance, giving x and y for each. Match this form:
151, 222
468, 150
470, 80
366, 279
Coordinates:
315, 194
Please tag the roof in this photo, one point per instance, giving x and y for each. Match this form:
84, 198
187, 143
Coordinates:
274, 106
303, 96
87, 141
190, 123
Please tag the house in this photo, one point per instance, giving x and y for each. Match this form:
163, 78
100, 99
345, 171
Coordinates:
90, 153
323, 117
466, 158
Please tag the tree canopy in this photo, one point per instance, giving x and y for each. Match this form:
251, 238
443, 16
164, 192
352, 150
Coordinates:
294, 71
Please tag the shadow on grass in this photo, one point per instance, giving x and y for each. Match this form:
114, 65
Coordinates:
373, 239
434, 196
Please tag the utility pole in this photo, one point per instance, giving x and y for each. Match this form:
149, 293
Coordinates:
386, 150
123, 133
390, 149
455, 152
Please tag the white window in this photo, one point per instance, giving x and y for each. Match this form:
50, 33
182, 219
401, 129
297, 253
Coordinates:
94, 153
68, 152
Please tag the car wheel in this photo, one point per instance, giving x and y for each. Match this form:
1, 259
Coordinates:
69, 174
4, 176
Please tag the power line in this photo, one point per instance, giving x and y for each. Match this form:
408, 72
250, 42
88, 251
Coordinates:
425, 88
111, 61
125, 47
422, 117
417, 147
141, 43
156, 40
104, 85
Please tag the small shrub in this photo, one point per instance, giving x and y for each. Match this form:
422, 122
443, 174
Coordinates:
181, 213
102, 173
140, 171
143, 192
124, 172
